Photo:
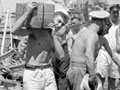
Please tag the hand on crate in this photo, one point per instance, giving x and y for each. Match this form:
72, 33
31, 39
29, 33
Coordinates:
31, 7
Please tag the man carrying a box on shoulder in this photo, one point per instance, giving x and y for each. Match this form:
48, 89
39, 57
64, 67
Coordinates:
38, 74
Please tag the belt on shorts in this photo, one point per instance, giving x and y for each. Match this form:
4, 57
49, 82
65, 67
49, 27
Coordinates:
28, 66
78, 64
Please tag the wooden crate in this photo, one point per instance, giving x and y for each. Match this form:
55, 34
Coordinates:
41, 18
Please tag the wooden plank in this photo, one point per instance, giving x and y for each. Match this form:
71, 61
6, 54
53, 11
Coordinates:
7, 82
21, 65
7, 54
4, 34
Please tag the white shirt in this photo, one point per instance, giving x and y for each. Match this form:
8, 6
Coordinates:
111, 36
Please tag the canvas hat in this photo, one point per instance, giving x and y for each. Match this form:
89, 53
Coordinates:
85, 83
59, 8
100, 14
114, 5
63, 11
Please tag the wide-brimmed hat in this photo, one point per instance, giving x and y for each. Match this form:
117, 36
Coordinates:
62, 10
100, 14
59, 8
114, 6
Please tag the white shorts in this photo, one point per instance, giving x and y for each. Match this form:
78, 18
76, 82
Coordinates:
105, 65
39, 79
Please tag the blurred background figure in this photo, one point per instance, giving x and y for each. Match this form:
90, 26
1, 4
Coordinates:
105, 65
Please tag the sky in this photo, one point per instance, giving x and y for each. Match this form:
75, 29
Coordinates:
114, 2
11, 4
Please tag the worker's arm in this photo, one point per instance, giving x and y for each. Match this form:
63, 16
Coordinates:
110, 51
18, 28
58, 48
69, 43
22, 47
90, 53
118, 40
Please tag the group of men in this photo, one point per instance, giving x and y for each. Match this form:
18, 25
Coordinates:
57, 58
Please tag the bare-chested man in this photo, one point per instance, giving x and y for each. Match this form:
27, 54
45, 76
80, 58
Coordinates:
38, 74
75, 29
85, 50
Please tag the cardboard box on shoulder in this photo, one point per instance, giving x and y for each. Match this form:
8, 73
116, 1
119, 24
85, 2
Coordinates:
40, 18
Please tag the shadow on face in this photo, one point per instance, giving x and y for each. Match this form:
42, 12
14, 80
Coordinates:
114, 14
58, 21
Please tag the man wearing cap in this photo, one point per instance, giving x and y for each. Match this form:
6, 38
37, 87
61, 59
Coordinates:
38, 73
75, 28
86, 48
104, 63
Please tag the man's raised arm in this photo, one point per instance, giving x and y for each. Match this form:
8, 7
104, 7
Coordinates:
118, 40
17, 28
110, 51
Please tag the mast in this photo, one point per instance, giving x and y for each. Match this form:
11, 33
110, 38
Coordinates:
1, 6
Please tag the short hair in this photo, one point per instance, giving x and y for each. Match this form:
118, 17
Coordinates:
97, 19
114, 6
65, 17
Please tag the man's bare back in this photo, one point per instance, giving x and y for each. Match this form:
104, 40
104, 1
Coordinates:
83, 56
82, 43
87, 46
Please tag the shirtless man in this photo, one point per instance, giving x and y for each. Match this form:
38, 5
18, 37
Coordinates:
85, 50
38, 74
75, 28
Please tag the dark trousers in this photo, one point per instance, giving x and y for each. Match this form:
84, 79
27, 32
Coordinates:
60, 69
62, 83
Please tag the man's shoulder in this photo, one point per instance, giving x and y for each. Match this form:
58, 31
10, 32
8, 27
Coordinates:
92, 36
87, 34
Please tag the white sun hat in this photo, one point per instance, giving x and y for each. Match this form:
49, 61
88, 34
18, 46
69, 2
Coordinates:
59, 8
101, 14
85, 83
62, 10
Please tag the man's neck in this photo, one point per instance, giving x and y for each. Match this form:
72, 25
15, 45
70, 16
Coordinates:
114, 22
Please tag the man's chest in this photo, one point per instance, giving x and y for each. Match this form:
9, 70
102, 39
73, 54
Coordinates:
40, 43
